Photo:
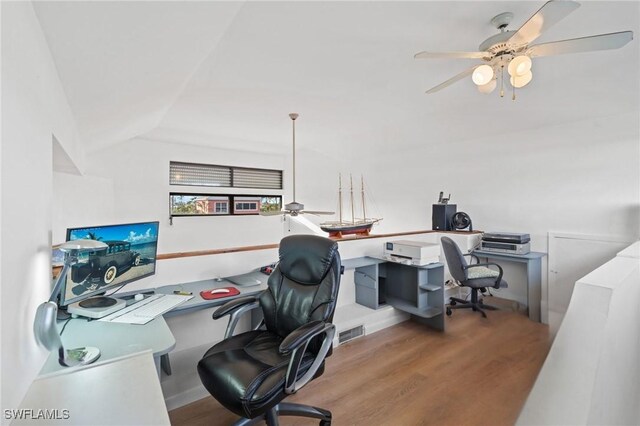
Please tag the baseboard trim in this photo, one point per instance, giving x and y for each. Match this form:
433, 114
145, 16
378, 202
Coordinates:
186, 397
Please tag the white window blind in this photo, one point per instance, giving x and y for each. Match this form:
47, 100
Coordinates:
194, 174
199, 174
257, 178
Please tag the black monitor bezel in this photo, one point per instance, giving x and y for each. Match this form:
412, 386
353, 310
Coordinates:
65, 302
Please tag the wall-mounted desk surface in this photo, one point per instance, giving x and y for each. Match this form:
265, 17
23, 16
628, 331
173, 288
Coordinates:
358, 262
197, 286
533, 263
113, 339
118, 339
121, 391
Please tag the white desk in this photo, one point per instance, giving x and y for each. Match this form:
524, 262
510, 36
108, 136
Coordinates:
114, 339
120, 391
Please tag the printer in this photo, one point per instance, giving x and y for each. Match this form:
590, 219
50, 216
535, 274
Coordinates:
412, 252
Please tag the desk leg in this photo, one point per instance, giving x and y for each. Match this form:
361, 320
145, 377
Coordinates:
165, 364
534, 287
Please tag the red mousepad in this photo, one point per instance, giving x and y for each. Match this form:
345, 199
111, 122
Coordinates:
207, 295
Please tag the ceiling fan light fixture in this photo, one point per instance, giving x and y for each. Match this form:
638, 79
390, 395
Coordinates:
519, 66
489, 87
521, 81
482, 75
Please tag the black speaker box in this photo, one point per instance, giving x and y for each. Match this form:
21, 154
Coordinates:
441, 217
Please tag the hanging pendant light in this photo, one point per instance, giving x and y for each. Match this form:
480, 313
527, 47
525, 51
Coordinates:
519, 66
482, 75
521, 81
489, 87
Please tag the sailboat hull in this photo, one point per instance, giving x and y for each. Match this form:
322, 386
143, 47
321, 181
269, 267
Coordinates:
338, 230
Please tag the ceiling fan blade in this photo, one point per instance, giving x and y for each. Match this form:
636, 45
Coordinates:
583, 44
317, 212
274, 213
452, 80
451, 55
548, 15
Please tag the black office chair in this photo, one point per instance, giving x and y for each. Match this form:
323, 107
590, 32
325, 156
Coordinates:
251, 373
476, 276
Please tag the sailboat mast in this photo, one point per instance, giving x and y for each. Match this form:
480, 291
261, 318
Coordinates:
364, 212
340, 195
353, 213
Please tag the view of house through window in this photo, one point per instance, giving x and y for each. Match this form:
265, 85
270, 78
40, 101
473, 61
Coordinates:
212, 204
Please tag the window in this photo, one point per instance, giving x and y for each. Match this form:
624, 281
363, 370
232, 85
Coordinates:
182, 204
247, 205
222, 207
194, 174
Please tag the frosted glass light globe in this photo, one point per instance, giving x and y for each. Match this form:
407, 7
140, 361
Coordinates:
522, 81
519, 66
482, 75
489, 87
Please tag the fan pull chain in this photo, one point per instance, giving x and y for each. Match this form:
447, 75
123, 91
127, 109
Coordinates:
502, 81
513, 98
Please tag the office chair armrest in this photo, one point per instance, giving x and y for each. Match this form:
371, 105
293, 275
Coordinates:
299, 341
301, 335
473, 256
232, 305
236, 308
498, 279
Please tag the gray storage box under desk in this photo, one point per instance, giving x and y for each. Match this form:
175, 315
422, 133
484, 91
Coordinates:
370, 285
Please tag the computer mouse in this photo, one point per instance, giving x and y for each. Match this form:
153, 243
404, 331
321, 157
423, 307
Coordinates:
220, 290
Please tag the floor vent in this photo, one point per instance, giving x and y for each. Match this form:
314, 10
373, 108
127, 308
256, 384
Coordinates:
350, 334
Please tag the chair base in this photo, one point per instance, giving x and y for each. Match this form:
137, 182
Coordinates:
475, 304
288, 409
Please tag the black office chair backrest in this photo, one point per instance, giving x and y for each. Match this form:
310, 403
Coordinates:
455, 260
304, 285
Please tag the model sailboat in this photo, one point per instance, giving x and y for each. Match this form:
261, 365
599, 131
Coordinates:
354, 226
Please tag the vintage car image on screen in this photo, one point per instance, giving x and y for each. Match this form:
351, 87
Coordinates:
105, 265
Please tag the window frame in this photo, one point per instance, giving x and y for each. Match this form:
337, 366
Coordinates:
230, 206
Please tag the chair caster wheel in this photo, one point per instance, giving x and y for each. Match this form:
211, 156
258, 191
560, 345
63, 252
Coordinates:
448, 312
453, 303
325, 422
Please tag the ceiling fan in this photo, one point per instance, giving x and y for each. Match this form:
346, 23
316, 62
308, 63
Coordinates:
294, 208
513, 49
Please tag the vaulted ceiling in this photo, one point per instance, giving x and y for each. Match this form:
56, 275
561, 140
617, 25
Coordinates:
230, 72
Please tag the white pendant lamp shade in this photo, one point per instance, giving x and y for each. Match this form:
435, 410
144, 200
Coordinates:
489, 87
519, 66
521, 81
482, 75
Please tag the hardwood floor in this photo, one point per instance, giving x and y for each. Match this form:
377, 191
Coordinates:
479, 372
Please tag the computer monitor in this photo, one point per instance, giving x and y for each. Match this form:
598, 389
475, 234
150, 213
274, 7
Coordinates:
130, 256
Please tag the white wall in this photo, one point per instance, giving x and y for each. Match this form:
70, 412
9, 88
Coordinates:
34, 110
581, 177
129, 182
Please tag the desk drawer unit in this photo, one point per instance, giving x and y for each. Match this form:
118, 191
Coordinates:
370, 284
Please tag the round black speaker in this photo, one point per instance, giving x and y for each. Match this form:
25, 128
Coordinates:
461, 221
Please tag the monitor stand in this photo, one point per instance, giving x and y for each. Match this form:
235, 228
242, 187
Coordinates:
98, 302
96, 307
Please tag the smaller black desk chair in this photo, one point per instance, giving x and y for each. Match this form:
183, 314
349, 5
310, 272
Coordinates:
476, 276
252, 372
